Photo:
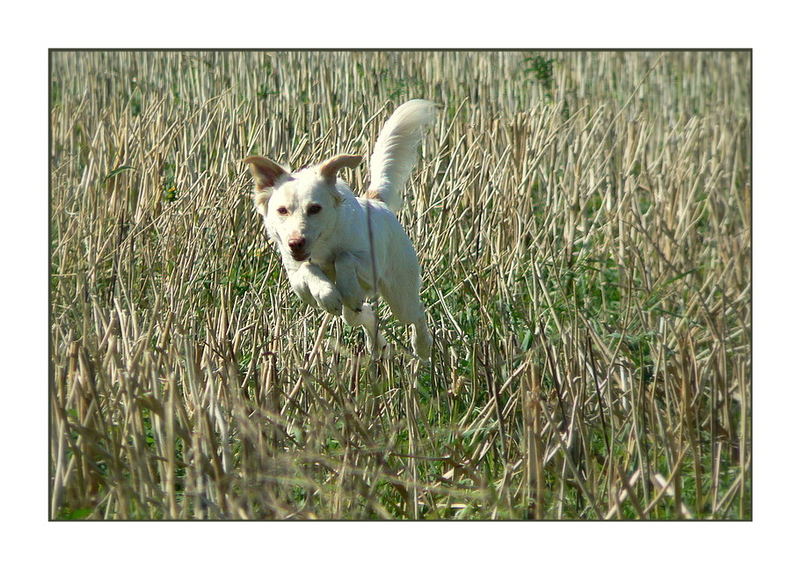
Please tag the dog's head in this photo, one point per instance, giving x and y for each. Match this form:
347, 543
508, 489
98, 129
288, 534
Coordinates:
299, 208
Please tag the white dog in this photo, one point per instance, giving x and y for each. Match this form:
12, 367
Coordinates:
339, 250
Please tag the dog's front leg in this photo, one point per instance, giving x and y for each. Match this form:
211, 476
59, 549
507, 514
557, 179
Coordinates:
347, 281
365, 317
311, 284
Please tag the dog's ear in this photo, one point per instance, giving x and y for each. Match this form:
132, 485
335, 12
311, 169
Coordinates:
265, 175
265, 172
331, 167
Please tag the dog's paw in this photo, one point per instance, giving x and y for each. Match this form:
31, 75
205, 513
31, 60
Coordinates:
354, 303
422, 343
382, 353
352, 295
377, 346
328, 298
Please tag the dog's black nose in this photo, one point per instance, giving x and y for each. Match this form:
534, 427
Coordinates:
297, 244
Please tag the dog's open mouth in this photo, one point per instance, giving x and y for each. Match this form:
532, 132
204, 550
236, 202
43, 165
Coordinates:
299, 256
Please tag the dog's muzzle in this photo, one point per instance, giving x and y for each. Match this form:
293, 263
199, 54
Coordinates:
296, 246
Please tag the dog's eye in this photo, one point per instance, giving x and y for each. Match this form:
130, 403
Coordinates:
314, 208
282, 211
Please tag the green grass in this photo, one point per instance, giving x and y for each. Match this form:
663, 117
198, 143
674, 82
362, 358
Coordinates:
583, 223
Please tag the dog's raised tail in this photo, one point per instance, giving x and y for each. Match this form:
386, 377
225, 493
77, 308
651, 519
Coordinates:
395, 152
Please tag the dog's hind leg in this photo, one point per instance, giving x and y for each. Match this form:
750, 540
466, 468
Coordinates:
422, 338
408, 309
366, 319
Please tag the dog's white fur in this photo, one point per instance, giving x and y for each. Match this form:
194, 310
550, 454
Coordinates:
328, 238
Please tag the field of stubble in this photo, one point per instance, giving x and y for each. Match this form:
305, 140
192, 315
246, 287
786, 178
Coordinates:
583, 224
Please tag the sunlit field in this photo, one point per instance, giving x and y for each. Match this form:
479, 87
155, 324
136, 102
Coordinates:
583, 225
